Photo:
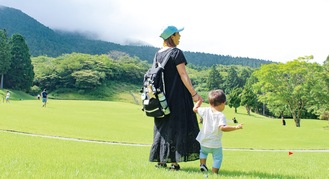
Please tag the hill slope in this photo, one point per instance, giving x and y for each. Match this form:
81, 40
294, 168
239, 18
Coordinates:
45, 41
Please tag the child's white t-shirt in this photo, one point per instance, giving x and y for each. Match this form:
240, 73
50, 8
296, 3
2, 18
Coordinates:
210, 135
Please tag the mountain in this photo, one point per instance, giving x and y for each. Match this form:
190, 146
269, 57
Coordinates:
45, 41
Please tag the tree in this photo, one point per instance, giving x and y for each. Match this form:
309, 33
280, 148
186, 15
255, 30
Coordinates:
318, 104
45, 69
5, 56
231, 81
291, 85
244, 75
248, 97
214, 79
21, 72
234, 98
86, 72
88, 79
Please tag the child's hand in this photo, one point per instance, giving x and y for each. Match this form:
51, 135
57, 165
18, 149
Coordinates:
239, 126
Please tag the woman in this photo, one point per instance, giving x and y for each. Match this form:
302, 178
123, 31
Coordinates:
174, 135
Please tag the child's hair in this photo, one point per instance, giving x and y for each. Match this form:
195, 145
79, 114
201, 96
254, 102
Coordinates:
216, 97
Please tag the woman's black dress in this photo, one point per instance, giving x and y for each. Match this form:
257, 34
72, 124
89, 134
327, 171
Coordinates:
174, 135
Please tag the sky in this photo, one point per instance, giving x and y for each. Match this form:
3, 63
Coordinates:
275, 30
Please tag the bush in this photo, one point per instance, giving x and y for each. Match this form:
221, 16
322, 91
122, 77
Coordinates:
35, 90
325, 116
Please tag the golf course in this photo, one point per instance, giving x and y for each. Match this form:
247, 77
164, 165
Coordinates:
104, 139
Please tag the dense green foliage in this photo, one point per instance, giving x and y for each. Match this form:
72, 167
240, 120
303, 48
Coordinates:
21, 74
5, 56
215, 80
16, 69
84, 72
44, 41
234, 98
296, 87
248, 97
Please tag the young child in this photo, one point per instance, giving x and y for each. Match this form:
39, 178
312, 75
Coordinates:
214, 124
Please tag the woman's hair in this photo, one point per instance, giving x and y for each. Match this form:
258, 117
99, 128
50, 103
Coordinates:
170, 42
216, 97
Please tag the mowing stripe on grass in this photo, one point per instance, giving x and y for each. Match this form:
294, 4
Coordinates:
148, 145
74, 139
280, 150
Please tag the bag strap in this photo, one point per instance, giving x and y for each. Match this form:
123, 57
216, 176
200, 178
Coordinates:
165, 60
162, 65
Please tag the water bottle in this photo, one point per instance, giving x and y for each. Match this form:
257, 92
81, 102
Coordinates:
163, 102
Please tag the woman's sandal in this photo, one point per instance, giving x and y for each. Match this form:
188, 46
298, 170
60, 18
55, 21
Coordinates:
161, 165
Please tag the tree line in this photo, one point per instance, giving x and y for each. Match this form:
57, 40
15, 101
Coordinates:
297, 89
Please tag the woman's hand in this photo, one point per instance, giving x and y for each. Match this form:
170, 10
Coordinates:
197, 98
197, 104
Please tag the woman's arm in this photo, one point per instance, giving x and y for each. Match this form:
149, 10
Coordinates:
187, 82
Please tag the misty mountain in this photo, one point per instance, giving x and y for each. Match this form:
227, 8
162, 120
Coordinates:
45, 41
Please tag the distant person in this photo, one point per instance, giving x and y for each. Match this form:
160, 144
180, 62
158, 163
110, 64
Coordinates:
44, 95
214, 124
7, 97
38, 96
283, 121
234, 120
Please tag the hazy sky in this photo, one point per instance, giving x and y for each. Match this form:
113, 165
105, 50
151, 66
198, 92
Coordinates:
276, 30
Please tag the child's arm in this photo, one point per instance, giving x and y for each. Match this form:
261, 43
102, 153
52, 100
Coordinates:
197, 105
230, 128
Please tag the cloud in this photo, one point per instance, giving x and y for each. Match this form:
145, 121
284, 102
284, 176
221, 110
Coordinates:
274, 30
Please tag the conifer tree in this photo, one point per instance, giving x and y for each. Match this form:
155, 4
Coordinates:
21, 72
214, 79
5, 57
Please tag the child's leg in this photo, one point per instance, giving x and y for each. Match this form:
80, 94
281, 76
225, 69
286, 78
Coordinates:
218, 158
203, 161
215, 170
204, 151
203, 155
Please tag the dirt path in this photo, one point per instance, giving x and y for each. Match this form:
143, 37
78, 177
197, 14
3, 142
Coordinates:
148, 145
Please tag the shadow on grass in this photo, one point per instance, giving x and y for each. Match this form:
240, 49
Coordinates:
239, 174
251, 115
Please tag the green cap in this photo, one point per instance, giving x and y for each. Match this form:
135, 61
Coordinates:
167, 32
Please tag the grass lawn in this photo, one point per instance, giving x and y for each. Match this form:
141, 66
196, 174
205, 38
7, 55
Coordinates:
25, 156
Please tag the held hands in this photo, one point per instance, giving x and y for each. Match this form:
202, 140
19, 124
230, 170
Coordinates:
198, 99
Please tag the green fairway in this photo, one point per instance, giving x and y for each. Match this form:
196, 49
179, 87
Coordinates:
99, 123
